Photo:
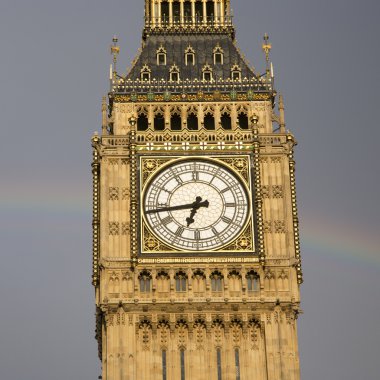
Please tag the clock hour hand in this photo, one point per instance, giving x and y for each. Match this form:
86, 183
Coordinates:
195, 205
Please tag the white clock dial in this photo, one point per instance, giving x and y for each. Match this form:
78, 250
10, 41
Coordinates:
196, 205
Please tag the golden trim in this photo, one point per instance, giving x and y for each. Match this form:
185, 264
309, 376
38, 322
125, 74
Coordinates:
175, 98
244, 242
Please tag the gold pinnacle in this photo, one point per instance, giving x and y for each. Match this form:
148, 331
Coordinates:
267, 46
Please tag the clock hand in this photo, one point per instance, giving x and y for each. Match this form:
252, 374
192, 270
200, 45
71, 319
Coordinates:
195, 205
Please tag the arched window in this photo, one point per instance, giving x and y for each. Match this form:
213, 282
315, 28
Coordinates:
218, 56
192, 122
163, 282
209, 122
161, 56
234, 283
253, 281
236, 73
189, 56
207, 73
175, 122
142, 122
145, 73
216, 282
243, 121
199, 280
174, 73
226, 121
145, 282
159, 122
180, 282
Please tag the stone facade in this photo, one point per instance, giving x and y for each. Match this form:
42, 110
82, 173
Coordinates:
164, 313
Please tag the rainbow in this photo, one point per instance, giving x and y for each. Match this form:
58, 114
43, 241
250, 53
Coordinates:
326, 238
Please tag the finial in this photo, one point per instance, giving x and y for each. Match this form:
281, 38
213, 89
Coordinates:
115, 50
267, 47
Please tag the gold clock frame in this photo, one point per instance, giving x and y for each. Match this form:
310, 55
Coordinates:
240, 165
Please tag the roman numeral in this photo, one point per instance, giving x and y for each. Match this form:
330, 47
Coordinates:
225, 190
226, 220
179, 231
230, 204
166, 220
197, 235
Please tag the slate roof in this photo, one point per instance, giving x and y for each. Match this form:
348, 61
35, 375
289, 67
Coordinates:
176, 45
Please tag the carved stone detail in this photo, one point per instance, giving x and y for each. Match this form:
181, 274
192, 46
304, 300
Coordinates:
125, 228
125, 193
279, 226
114, 228
265, 191
278, 191
113, 193
267, 226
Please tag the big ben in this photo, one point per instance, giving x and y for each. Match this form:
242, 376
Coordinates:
196, 251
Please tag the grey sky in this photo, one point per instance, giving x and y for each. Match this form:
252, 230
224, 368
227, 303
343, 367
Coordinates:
53, 72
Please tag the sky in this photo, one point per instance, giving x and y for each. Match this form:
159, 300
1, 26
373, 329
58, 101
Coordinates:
53, 73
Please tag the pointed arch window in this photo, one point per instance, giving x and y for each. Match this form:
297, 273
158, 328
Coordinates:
218, 56
145, 282
161, 56
207, 73
159, 122
236, 73
216, 282
226, 121
145, 73
190, 56
243, 120
142, 122
192, 122
174, 73
180, 282
209, 122
175, 122
253, 282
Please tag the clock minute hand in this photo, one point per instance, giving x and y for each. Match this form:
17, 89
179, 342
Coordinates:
195, 205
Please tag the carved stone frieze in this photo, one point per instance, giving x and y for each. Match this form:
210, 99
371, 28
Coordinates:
114, 228
113, 193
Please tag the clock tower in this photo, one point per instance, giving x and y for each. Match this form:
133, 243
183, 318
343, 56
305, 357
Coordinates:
196, 252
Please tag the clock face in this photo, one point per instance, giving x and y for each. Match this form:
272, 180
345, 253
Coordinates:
196, 205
